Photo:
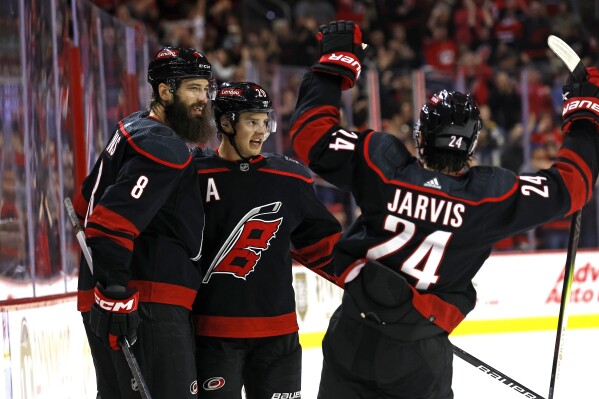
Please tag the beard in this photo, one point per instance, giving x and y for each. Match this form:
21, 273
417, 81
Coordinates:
197, 130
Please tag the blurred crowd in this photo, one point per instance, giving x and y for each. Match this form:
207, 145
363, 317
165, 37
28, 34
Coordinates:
486, 47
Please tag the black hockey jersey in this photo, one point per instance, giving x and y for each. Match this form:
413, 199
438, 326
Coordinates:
259, 215
141, 206
436, 230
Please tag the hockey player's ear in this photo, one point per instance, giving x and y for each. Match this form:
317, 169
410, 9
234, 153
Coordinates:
225, 124
164, 91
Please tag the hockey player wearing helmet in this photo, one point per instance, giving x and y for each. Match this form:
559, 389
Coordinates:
427, 224
139, 206
261, 213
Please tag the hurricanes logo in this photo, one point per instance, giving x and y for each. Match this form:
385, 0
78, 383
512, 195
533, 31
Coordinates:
213, 383
242, 250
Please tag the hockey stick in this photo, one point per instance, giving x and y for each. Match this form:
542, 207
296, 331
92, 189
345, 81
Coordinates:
579, 73
232, 239
496, 374
123, 341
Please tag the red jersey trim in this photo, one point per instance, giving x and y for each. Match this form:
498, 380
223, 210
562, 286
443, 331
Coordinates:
382, 176
280, 172
149, 291
312, 253
85, 299
443, 314
147, 154
80, 205
317, 129
123, 242
169, 294
245, 327
214, 170
579, 191
341, 279
112, 221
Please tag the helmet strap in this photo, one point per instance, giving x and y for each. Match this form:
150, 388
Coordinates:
231, 138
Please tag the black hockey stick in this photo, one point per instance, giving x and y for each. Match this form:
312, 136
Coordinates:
579, 73
123, 341
496, 374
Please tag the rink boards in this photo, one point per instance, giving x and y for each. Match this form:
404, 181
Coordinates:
45, 354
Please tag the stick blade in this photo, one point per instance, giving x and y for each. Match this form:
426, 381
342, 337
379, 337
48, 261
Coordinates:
568, 57
563, 51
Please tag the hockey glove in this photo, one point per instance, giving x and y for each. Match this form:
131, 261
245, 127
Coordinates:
341, 51
114, 314
581, 99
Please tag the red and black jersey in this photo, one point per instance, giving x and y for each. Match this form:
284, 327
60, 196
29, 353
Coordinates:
259, 215
141, 206
436, 230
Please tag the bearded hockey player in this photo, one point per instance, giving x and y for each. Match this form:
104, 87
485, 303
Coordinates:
427, 224
261, 211
143, 218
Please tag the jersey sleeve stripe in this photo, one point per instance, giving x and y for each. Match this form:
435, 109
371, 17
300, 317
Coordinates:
92, 232
80, 205
289, 174
150, 156
320, 120
113, 226
316, 252
574, 184
386, 180
582, 168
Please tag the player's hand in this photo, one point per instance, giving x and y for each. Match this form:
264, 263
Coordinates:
341, 51
581, 99
114, 314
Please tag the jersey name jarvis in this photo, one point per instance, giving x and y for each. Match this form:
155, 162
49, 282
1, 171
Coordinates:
436, 230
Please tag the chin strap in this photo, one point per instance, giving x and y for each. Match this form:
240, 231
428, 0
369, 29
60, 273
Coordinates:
231, 138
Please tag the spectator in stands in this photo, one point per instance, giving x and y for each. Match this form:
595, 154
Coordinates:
505, 102
535, 31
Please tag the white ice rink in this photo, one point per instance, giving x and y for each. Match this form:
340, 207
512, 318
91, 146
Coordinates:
524, 357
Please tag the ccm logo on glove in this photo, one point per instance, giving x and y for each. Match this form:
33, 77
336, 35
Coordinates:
114, 305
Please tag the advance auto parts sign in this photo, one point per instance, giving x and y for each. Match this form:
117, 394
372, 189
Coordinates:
516, 286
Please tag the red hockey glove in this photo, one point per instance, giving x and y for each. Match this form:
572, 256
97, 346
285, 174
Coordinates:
581, 99
113, 315
341, 51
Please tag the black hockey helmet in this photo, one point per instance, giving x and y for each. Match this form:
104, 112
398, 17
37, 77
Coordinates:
449, 124
234, 98
171, 64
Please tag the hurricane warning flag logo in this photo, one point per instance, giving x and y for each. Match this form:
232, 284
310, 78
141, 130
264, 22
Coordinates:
242, 250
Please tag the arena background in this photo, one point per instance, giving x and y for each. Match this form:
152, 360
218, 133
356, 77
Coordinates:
69, 69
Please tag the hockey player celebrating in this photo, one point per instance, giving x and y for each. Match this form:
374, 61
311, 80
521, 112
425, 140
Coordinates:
144, 228
261, 211
427, 224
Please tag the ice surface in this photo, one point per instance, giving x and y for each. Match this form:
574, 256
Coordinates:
524, 357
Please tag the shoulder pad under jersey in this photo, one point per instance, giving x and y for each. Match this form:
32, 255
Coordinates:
492, 181
387, 152
287, 164
155, 141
